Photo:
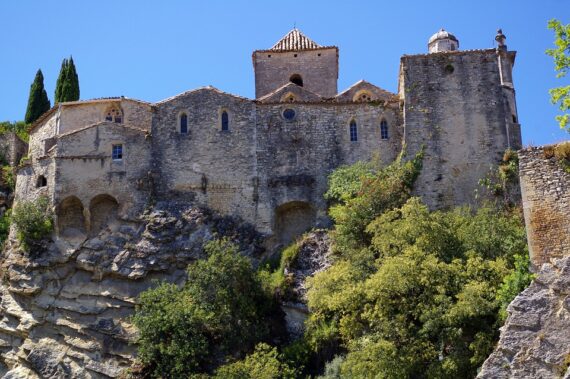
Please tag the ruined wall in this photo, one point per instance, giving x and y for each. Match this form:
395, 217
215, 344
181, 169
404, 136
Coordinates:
318, 69
545, 188
12, 148
455, 105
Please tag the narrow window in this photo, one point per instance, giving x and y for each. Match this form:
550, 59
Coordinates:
42, 181
118, 119
514, 119
183, 123
353, 131
383, 129
108, 117
225, 121
118, 152
296, 79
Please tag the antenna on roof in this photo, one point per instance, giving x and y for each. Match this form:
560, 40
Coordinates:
295, 25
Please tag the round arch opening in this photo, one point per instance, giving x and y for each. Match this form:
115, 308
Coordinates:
292, 219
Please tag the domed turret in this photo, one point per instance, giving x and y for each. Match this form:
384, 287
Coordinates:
443, 41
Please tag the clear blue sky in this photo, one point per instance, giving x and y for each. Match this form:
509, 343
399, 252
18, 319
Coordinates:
151, 50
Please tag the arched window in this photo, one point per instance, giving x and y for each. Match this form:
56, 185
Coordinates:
297, 79
353, 131
225, 121
383, 129
114, 115
183, 123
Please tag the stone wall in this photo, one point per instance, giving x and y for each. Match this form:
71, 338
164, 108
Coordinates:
545, 188
455, 105
317, 67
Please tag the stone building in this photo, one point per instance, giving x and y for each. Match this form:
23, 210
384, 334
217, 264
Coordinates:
267, 159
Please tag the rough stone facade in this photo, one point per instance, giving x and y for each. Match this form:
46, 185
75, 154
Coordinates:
545, 187
267, 160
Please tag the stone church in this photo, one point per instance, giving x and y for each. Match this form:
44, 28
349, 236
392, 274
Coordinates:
267, 159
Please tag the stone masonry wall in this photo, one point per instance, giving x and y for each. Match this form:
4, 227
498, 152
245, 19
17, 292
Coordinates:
545, 188
454, 104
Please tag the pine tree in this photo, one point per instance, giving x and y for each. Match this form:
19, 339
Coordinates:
38, 102
67, 86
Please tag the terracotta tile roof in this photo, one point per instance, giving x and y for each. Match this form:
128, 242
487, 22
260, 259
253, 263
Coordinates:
295, 40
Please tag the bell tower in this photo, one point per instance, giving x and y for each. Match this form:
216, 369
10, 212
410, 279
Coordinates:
297, 59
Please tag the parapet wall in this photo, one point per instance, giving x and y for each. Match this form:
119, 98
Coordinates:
545, 187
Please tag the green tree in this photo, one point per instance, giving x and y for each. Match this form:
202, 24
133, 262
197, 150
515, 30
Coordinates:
221, 309
561, 55
33, 220
38, 102
263, 363
426, 303
67, 85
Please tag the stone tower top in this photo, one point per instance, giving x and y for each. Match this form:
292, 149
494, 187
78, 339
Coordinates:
297, 59
443, 41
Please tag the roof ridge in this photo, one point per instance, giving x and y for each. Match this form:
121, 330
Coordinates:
295, 40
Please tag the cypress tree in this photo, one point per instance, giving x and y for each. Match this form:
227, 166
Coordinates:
67, 86
60, 80
38, 102
74, 80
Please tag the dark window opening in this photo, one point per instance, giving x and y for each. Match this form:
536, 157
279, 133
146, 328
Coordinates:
225, 121
295, 55
183, 123
296, 79
118, 152
353, 131
41, 182
269, 56
114, 115
319, 54
289, 114
383, 129
514, 119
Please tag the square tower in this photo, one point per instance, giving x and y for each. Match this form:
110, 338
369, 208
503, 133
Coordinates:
297, 59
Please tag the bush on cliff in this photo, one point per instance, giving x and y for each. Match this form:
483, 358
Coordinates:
33, 221
421, 298
221, 310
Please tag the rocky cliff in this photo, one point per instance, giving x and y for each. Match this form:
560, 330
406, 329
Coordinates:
65, 309
535, 340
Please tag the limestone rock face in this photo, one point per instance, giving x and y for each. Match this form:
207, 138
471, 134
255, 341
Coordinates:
535, 340
314, 256
64, 311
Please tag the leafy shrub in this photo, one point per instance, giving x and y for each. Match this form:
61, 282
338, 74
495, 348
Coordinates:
389, 188
221, 309
264, 363
8, 177
19, 127
33, 221
5, 222
514, 283
420, 299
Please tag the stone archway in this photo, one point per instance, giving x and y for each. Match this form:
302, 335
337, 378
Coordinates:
70, 218
103, 210
293, 219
